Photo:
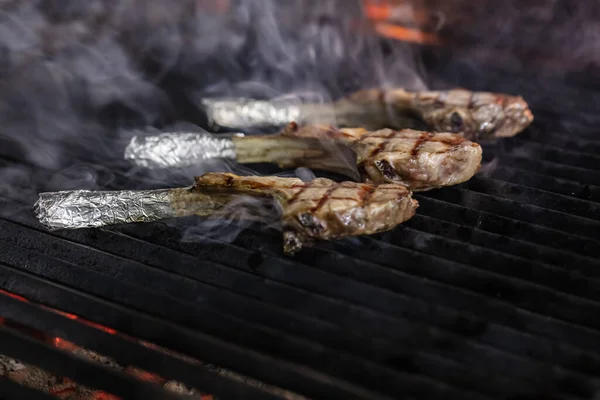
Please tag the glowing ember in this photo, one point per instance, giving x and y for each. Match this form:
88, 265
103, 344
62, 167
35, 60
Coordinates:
63, 390
63, 344
105, 396
64, 314
145, 375
14, 296
66, 389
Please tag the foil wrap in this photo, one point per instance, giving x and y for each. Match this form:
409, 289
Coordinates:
243, 113
173, 149
86, 209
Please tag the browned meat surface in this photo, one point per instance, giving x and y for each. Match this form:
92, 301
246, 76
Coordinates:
318, 210
474, 115
418, 160
321, 209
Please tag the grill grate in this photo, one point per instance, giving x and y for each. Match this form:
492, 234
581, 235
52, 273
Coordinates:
489, 292
11, 390
117, 347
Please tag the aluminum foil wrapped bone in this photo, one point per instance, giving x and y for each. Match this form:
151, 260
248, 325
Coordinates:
178, 149
243, 113
87, 209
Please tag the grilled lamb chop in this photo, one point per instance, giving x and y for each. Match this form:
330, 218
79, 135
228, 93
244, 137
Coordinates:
418, 160
318, 210
474, 115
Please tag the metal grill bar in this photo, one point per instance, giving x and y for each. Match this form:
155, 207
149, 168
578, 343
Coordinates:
126, 351
219, 255
546, 152
410, 286
525, 195
445, 210
562, 141
224, 325
559, 279
491, 291
264, 267
478, 357
219, 320
536, 215
31, 351
472, 337
175, 337
455, 274
548, 183
584, 176
567, 260
53, 246
212, 249
10, 390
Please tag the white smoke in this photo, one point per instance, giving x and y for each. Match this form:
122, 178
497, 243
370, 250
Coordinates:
77, 78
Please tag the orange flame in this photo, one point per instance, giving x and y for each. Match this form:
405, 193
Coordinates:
378, 12
383, 14
402, 33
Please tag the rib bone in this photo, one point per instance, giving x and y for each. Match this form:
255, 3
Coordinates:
318, 210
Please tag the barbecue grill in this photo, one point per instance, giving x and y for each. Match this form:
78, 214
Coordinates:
492, 291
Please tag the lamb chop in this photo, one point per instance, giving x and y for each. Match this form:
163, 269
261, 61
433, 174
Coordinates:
416, 159
474, 115
318, 210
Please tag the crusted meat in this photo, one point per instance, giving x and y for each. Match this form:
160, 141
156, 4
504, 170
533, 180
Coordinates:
416, 159
474, 115
320, 209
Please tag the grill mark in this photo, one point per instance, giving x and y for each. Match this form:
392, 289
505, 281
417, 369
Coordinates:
366, 195
419, 143
346, 199
347, 135
385, 141
452, 141
363, 137
323, 199
470, 103
297, 194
